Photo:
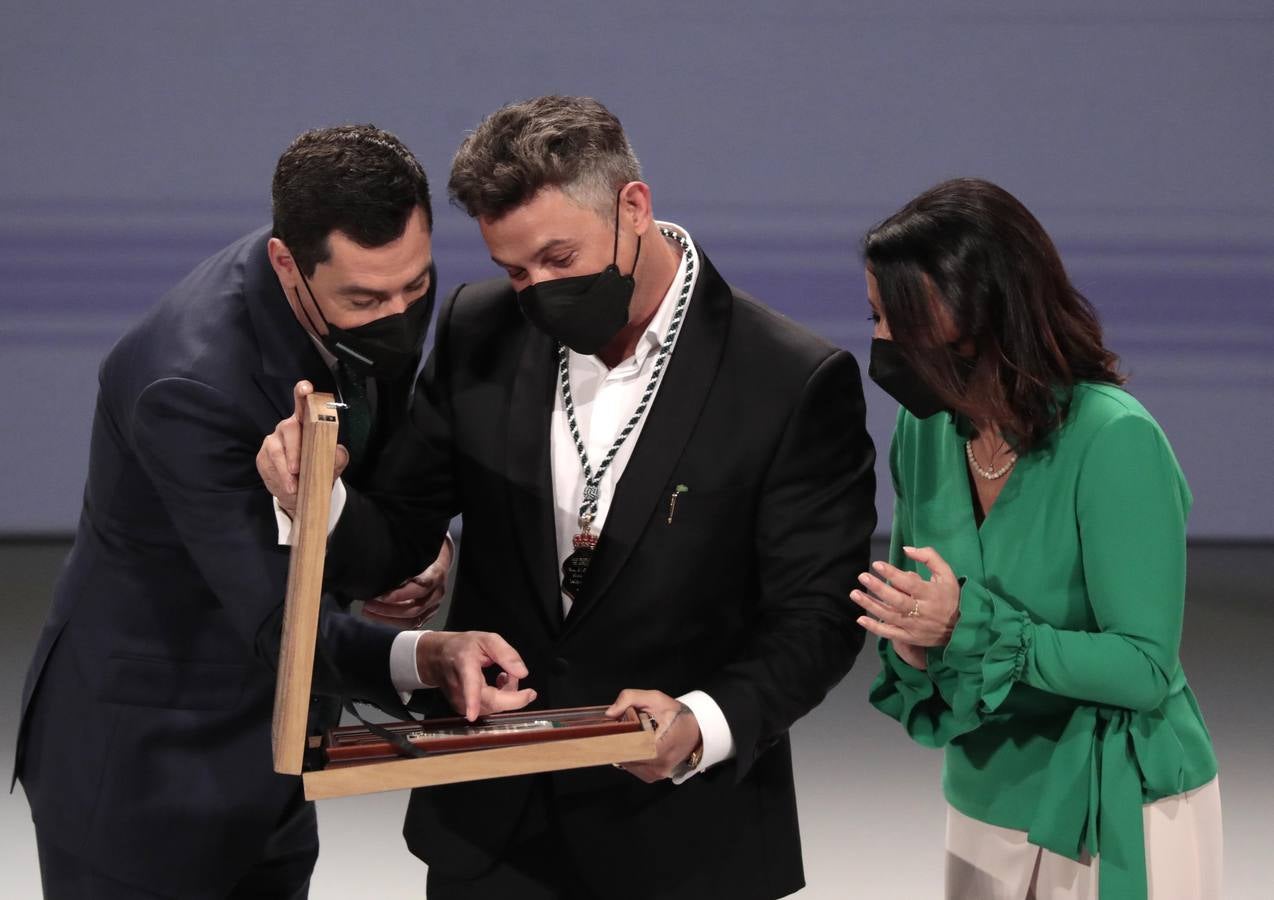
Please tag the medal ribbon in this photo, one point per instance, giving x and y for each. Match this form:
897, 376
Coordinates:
593, 478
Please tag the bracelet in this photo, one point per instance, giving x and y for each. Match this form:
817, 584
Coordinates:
696, 757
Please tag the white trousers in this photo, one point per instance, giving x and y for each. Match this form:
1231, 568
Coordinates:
1183, 856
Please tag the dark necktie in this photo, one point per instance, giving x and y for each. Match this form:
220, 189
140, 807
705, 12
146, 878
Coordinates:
358, 414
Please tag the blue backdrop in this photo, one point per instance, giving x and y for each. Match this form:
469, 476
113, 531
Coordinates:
139, 137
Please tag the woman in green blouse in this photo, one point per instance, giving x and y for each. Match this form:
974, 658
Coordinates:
1030, 613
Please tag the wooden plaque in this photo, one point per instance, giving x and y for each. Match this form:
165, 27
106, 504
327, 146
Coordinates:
494, 747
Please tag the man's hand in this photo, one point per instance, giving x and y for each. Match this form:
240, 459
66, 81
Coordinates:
454, 660
676, 732
279, 459
416, 600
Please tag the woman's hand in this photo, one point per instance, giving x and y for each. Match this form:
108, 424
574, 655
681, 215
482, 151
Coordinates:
907, 609
910, 654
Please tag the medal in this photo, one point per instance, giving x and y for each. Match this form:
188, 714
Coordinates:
576, 565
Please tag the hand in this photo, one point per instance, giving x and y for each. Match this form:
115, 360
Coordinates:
906, 608
911, 654
279, 459
676, 732
416, 600
454, 660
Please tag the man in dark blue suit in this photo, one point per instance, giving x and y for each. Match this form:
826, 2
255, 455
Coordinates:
144, 745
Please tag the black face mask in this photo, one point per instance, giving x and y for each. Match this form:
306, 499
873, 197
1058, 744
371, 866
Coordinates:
584, 312
889, 369
384, 348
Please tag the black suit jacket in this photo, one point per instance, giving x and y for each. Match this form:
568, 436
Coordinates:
145, 735
743, 595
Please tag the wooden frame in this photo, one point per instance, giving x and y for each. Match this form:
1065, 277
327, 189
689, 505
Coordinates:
627, 741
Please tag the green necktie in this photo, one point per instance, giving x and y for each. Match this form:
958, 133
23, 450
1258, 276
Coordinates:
358, 412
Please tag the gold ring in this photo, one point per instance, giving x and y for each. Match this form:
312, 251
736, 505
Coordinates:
915, 609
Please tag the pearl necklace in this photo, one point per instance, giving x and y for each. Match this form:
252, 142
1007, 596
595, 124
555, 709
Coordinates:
988, 474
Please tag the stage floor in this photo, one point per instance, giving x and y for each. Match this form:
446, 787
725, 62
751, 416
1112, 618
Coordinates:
870, 802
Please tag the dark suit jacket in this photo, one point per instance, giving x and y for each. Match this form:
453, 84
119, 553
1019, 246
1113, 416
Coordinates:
742, 595
145, 735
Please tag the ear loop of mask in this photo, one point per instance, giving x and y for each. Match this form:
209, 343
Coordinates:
326, 324
340, 395
614, 251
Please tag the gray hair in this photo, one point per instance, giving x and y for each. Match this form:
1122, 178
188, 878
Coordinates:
571, 143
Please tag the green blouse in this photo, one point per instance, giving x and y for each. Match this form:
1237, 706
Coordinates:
1060, 699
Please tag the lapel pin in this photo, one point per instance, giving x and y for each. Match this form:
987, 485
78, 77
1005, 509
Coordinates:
672, 501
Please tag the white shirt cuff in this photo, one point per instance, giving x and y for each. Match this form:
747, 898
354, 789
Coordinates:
333, 516
718, 740
403, 672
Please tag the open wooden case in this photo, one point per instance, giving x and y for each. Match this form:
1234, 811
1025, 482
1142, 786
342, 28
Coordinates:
353, 760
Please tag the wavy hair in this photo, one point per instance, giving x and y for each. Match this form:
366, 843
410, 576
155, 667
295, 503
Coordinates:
976, 250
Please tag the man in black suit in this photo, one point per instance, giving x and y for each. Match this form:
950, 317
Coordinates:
144, 745
664, 484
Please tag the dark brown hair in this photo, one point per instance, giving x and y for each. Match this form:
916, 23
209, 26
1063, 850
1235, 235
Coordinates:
974, 248
572, 143
355, 179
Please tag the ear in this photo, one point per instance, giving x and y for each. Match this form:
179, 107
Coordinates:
283, 264
635, 205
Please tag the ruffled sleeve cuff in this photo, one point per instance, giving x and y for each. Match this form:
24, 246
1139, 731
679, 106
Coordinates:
908, 695
986, 654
